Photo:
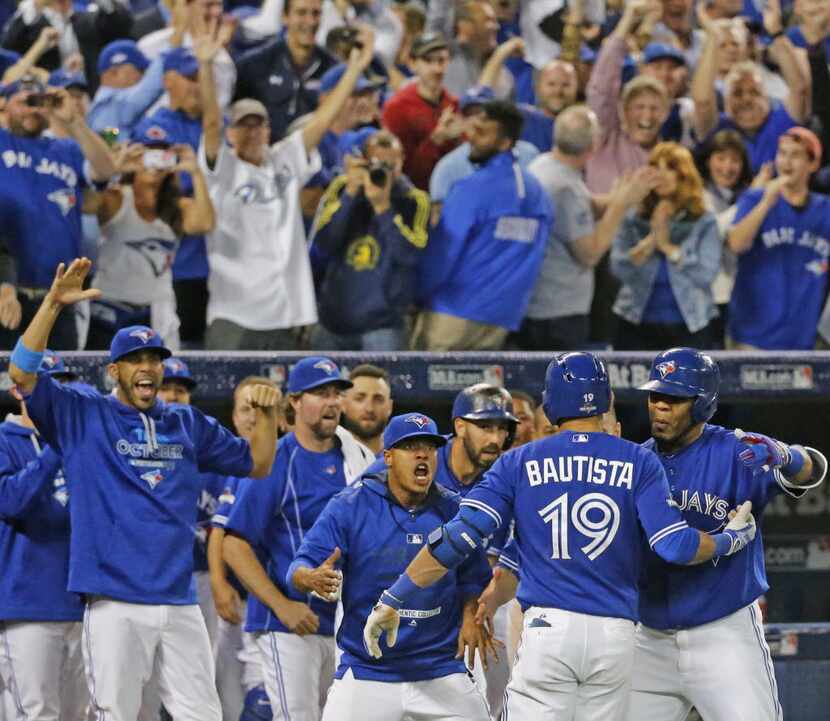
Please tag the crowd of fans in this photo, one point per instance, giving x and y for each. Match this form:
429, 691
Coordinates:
453, 175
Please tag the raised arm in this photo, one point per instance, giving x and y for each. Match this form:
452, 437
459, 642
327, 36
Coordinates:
794, 72
47, 40
67, 289
206, 47
703, 81
198, 216
95, 150
492, 68
265, 400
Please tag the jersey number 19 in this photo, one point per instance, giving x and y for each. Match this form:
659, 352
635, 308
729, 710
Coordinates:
601, 529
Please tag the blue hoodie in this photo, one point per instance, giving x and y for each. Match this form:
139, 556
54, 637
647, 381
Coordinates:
34, 531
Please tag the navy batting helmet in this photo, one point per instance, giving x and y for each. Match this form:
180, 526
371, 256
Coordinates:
485, 402
576, 386
686, 373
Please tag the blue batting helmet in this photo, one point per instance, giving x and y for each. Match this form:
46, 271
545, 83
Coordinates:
576, 386
486, 402
686, 373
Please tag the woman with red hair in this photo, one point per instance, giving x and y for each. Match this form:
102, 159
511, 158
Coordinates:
666, 255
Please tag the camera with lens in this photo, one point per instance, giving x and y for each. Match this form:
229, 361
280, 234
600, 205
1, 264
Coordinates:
43, 100
379, 172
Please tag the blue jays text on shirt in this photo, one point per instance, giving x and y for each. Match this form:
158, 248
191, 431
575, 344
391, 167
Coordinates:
787, 236
65, 199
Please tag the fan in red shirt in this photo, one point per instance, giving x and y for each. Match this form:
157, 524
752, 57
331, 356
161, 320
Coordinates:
423, 114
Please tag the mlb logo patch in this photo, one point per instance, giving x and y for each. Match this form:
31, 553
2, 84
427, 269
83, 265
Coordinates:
667, 368
143, 334
419, 421
579, 438
416, 538
152, 477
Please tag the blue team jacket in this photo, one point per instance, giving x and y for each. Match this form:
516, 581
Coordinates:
486, 251
378, 538
34, 531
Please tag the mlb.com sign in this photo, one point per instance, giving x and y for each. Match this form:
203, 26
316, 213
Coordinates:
456, 377
627, 375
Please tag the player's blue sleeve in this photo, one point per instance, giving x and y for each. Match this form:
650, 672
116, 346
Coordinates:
330, 531
257, 502
58, 412
19, 487
509, 557
667, 533
217, 449
494, 493
225, 501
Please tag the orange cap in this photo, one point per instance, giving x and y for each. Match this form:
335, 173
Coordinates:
809, 140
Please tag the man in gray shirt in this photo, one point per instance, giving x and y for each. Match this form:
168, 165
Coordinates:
558, 315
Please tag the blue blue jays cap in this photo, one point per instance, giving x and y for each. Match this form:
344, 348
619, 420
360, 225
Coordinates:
313, 372
477, 95
64, 79
177, 370
28, 82
181, 61
411, 425
122, 52
134, 338
52, 365
663, 51
333, 76
154, 131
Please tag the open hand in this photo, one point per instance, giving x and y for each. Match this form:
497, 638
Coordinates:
383, 618
11, 311
68, 284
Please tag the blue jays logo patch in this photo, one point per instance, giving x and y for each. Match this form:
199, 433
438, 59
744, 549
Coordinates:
419, 421
666, 368
143, 334
155, 132
327, 366
50, 360
152, 477
175, 365
64, 198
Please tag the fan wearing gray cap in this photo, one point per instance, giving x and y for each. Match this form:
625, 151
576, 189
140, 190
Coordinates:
261, 288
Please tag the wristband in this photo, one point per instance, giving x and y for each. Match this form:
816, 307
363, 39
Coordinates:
723, 543
25, 359
400, 592
794, 465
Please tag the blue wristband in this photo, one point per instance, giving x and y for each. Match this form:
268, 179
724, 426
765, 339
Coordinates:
400, 592
25, 359
723, 544
796, 463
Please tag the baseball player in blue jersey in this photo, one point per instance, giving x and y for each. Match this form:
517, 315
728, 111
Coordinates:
371, 531
41, 664
701, 641
133, 466
581, 501
266, 526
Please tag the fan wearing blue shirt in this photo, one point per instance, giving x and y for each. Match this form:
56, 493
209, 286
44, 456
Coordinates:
363, 539
781, 235
267, 524
701, 640
40, 621
134, 468
42, 178
583, 503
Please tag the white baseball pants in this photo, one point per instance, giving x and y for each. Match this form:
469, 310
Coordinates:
125, 643
571, 667
298, 672
723, 669
493, 680
449, 698
238, 666
204, 597
42, 671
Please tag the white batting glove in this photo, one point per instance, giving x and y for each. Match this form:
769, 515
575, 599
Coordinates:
383, 618
741, 527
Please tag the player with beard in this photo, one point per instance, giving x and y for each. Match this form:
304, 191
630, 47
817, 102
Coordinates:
43, 178
295, 632
367, 405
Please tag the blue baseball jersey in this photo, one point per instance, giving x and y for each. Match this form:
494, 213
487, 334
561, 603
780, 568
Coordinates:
762, 146
378, 538
782, 280
707, 480
224, 503
40, 204
275, 513
135, 479
583, 505
212, 488
34, 531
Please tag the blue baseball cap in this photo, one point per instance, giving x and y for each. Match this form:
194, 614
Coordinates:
64, 79
136, 337
477, 95
411, 425
122, 52
52, 365
333, 75
155, 131
313, 372
662, 51
177, 370
27, 83
181, 61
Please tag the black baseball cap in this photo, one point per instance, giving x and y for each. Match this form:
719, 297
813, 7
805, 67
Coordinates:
428, 42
